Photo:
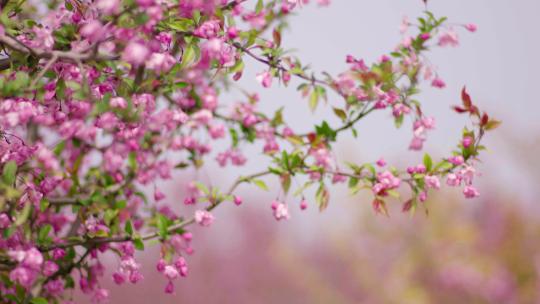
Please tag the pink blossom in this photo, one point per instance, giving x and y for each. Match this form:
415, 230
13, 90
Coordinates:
232, 32
171, 272
216, 131
471, 27
22, 275
417, 143
101, 295
265, 79
109, 7
33, 258
470, 192
169, 288
119, 278
160, 62
270, 147
5, 221
160, 266
425, 36
280, 211
47, 158
208, 29
93, 31
385, 181
118, 102
438, 83
145, 3
54, 288
453, 180
400, 109
158, 195
303, 204
422, 196
338, 178
467, 141
50, 268
44, 38
204, 218
449, 38
432, 181
456, 160
58, 253
135, 53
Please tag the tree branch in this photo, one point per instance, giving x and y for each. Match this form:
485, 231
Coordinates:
152, 235
72, 56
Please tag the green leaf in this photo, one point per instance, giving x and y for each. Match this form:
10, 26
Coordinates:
340, 113
393, 193
110, 215
443, 165
132, 161
59, 147
180, 85
190, 55
353, 181
60, 89
44, 233
326, 131
162, 225
128, 228
259, 6
181, 25
493, 124
286, 182
371, 169
138, 243
261, 184
278, 118
202, 187
428, 162
23, 215
399, 121
39, 301
234, 137
121, 204
238, 66
43, 205
9, 172
141, 19
313, 100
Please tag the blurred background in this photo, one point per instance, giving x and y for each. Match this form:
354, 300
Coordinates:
485, 250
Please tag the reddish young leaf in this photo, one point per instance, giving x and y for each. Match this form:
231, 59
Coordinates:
407, 206
459, 109
466, 98
380, 207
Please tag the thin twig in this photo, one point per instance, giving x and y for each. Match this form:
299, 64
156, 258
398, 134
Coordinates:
43, 71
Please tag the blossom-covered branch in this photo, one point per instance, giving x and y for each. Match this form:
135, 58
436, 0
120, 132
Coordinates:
99, 99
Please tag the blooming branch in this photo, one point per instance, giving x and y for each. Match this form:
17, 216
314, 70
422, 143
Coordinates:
101, 98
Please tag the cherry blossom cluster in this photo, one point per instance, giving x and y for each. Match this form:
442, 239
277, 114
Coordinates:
100, 99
